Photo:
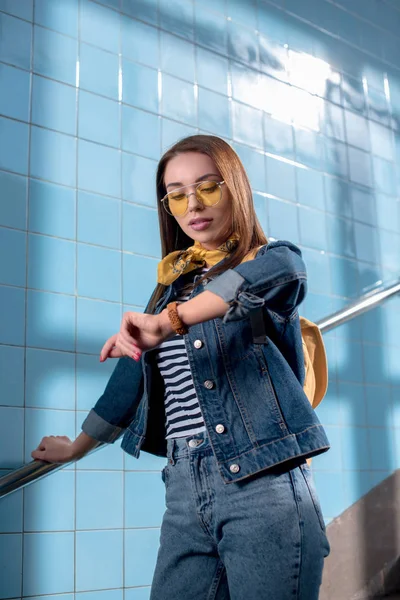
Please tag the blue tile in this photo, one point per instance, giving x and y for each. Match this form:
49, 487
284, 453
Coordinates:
91, 377
261, 208
138, 268
332, 123
51, 209
58, 512
357, 133
42, 422
273, 23
246, 85
349, 360
353, 404
145, 11
278, 137
15, 86
58, 15
310, 188
99, 220
171, 132
96, 322
356, 485
51, 321
182, 26
13, 208
353, 94
14, 146
212, 70
254, 163
281, 179
15, 41
11, 513
376, 325
110, 457
141, 132
273, 58
243, 13
140, 86
178, 100
51, 264
101, 595
360, 167
242, 44
335, 158
134, 169
341, 237
388, 213
59, 549
12, 375
376, 364
355, 448
99, 26
50, 379
366, 243
384, 176
318, 271
312, 228
177, 57
389, 249
362, 202
53, 156
140, 233
329, 410
142, 593
379, 406
99, 500
337, 196
141, 546
98, 71
12, 437
378, 107
99, 169
22, 9
53, 105
344, 277
316, 307
13, 244
211, 29
214, 113
99, 556
99, 119
301, 36
381, 141
145, 509
309, 148
55, 55
12, 323
11, 563
99, 273
139, 42
283, 221
247, 125
332, 459
331, 492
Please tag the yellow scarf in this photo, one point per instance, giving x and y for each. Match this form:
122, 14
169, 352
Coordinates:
183, 261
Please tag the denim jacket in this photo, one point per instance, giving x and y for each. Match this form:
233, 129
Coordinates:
250, 389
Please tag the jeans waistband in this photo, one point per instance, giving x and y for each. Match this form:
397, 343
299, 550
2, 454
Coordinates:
180, 447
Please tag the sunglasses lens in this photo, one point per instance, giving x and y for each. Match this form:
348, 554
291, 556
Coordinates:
209, 193
177, 203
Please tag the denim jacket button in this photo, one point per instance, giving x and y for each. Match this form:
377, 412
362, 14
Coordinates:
197, 344
234, 468
208, 384
220, 429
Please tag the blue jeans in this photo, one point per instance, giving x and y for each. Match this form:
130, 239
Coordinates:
259, 539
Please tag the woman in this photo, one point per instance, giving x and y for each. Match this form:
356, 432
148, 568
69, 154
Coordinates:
214, 382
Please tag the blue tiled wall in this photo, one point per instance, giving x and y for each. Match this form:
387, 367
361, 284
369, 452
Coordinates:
91, 93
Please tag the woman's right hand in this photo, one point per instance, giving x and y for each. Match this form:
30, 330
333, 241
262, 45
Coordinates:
54, 449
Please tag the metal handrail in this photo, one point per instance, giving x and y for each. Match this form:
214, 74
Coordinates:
37, 469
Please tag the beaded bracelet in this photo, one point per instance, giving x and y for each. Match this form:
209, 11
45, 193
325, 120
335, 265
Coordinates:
175, 319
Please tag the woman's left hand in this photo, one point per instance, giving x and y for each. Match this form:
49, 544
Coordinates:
139, 332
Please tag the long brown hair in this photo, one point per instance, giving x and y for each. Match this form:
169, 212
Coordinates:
244, 218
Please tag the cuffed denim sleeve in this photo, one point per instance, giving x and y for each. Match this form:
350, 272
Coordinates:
276, 278
117, 406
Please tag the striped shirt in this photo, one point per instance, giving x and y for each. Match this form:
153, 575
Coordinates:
182, 410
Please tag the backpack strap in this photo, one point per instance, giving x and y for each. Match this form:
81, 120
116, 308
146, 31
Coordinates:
258, 326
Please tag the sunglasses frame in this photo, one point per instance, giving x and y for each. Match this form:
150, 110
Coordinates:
163, 200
